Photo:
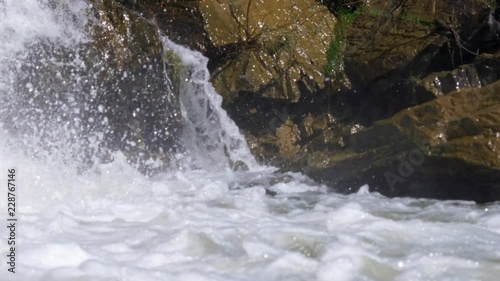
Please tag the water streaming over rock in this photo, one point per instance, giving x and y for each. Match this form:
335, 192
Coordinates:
202, 220
209, 134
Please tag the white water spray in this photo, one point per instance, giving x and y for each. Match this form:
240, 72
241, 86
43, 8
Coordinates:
113, 223
210, 135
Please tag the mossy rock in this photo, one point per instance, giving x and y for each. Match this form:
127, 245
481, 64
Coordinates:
176, 69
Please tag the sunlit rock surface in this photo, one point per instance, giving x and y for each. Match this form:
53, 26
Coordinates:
271, 48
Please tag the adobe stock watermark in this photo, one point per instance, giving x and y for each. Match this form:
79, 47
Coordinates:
407, 166
408, 163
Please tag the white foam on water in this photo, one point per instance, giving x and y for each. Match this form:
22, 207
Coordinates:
118, 225
113, 223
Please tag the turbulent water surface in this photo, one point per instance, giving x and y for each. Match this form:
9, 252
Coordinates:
110, 222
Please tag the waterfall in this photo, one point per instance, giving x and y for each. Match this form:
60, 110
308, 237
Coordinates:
82, 125
79, 99
213, 139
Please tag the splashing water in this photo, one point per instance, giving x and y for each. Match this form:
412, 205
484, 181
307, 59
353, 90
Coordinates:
113, 223
210, 134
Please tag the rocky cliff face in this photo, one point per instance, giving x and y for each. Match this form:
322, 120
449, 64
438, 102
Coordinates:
443, 148
399, 94
391, 44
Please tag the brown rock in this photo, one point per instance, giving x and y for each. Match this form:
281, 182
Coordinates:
392, 44
270, 46
447, 148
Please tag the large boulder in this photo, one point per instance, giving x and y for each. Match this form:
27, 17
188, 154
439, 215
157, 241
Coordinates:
273, 49
447, 148
398, 55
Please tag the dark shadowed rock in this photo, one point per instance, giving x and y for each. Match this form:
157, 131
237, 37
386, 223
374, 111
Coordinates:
448, 148
393, 43
180, 20
141, 108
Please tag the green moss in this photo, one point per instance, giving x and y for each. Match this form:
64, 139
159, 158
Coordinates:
375, 12
176, 69
334, 54
405, 17
345, 17
417, 78
173, 58
490, 3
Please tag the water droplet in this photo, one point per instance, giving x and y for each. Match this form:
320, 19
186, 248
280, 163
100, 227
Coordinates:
29, 86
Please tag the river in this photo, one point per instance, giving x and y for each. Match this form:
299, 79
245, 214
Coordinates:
196, 222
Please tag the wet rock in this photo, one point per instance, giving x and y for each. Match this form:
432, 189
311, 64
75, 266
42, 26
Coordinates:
287, 137
488, 67
481, 72
274, 49
180, 20
464, 76
239, 166
391, 43
447, 148
139, 102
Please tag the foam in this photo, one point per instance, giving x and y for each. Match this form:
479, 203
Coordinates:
113, 223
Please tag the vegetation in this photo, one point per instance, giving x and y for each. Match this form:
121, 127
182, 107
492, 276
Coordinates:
491, 3
176, 69
338, 7
334, 54
346, 12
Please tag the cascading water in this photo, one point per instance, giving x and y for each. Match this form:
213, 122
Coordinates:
106, 220
210, 135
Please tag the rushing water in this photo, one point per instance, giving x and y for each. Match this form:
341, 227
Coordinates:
194, 222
